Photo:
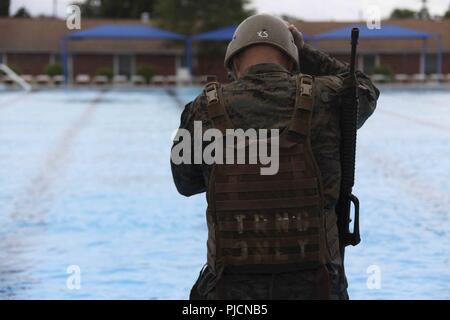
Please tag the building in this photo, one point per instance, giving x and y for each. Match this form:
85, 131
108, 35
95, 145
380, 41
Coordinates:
29, 45
402, 56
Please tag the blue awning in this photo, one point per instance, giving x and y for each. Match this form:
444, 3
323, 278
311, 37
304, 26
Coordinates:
124, 31
222, 34
387, 31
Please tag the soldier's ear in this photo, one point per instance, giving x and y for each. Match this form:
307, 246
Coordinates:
291, 66
235, 68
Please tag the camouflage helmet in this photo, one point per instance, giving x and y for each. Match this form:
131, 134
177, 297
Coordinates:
262, 29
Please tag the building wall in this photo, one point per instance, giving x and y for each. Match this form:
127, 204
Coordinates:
446, 63
28, 63
402, 63
35, 63
90, 63
162, 64
211, 66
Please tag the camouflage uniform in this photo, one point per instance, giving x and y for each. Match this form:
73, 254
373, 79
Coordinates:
264, 98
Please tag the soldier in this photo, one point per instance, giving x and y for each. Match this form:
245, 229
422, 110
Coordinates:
249, 255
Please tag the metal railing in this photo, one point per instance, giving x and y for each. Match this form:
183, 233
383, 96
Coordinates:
15, 77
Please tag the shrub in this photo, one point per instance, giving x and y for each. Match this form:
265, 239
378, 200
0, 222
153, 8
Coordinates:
384, 70
105, 71
53, 70
147, 72
14, 68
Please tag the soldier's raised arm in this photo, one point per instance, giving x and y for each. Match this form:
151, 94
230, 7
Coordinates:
313, 61
368, 95
318, 63
188, 177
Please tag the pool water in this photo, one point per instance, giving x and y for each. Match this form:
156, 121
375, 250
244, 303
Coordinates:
85, 183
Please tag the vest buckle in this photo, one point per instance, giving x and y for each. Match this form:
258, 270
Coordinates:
211, 93
306, 86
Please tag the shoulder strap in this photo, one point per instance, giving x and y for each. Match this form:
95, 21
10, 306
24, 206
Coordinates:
304, 102
216, 108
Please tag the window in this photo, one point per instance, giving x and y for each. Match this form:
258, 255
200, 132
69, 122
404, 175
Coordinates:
55, 58
369, 62
430, 63
125, 65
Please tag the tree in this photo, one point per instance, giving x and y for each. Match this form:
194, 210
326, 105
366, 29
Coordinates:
22, 13
447, 14
4, 8
423, 13
54, 69
116, 8
403, 14
194, 16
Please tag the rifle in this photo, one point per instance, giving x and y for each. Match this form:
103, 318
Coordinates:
349, 116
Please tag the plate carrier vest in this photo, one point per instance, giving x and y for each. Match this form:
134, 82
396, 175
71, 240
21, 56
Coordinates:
268, 222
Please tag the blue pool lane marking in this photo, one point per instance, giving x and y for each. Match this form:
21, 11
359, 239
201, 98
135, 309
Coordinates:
173, 94
399, 175
27, 206
11, 101
426, 123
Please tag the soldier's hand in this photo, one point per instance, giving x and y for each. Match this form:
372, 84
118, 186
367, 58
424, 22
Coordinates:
346, 91
298, 36
348, 83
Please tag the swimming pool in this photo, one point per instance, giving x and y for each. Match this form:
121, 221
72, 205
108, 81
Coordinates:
85, 181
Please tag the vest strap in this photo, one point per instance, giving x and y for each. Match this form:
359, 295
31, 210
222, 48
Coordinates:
239, 205
216, 108
273, 259
265, 242
269, 225
304, 103
243, 187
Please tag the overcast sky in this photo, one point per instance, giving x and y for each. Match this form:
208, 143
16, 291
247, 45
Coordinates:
308, 10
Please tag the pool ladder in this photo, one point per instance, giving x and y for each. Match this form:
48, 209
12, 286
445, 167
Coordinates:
15, 77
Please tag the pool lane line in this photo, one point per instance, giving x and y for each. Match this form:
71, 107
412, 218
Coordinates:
171, 93
13, 100
54, 163
416, 120
405, 179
